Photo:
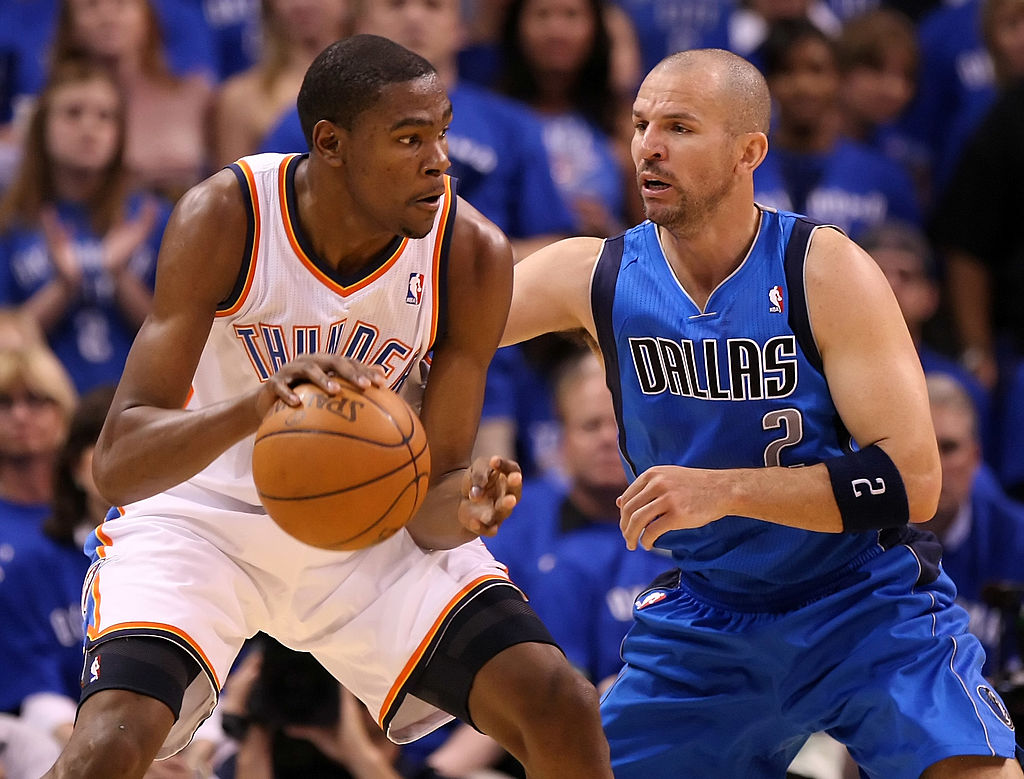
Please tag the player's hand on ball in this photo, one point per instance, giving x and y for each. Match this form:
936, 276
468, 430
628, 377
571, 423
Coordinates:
324, 370
491, 488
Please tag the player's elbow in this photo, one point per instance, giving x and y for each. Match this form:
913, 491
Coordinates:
923, 485
105, 475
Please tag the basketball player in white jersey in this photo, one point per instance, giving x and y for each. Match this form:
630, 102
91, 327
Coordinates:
349, 263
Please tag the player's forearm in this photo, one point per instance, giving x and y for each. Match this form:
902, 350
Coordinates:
806, 497
148, 450
795, 497
436, 525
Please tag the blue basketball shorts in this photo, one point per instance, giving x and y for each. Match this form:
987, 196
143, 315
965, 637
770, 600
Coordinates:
881, 663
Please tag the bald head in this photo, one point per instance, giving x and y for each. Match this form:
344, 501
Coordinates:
738, 83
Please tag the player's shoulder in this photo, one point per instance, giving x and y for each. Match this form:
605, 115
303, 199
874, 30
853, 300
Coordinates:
475, 232
218, 196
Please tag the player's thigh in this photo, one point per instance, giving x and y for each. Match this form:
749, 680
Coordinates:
974, 767
655, 724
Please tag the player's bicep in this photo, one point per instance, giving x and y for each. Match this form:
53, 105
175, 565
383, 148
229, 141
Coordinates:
870, 362
198, 264
551, 291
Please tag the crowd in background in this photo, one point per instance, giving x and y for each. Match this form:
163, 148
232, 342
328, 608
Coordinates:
900, 122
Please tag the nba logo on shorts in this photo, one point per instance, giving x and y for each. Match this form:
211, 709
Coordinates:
415, 290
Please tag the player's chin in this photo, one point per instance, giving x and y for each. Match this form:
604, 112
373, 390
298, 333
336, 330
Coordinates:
413, 230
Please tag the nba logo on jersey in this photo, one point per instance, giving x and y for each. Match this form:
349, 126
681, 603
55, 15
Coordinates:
94, 670
415, 291
775, 296
650, 599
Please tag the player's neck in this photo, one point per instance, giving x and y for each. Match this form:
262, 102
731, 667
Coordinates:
341, 235
703, 259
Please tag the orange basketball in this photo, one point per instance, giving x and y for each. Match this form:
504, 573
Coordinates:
342, 471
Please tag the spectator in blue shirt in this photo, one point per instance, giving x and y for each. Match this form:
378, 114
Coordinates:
36, 402
981, 529
811, 167
77, 246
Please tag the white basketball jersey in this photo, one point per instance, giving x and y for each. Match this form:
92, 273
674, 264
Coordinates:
288, 302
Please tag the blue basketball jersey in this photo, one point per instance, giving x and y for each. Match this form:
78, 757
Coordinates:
737, 385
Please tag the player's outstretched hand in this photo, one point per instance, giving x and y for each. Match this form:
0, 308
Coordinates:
323, 370
491, 488
668, 497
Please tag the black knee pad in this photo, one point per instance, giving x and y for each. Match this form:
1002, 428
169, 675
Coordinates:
490, 622
147, 665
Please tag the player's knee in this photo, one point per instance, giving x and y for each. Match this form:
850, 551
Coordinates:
570, 697
558, 698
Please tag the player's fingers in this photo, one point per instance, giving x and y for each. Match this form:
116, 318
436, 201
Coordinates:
514, 485
479, 478
354, 372
631, 491
504, 465
633, 517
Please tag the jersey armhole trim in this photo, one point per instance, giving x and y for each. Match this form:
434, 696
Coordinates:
602, 299
247, 183
442, 248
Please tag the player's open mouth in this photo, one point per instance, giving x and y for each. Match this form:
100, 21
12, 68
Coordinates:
430, 200
654, 185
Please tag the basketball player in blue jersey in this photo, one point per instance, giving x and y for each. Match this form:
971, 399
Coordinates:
774, 419
350, 264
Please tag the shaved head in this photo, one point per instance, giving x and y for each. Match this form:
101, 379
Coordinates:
738, 83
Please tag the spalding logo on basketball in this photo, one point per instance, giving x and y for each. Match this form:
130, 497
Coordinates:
342, 471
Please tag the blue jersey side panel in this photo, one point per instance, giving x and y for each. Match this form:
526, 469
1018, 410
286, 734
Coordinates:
738, 385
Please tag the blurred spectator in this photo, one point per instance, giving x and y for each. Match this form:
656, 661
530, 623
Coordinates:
905, 257
26, 33
495, 144
37, 399
167, 141
235, 26
752, 21
667, 26
556, 59
292, 719
77, 246
811, 168
18, 330
980, 528
251, 102
25, 753
518, 419
970, 221
878, 65
480, 58
955, 85
41, 595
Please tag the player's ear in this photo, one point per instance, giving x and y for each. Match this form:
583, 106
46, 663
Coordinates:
328, 141
753, 150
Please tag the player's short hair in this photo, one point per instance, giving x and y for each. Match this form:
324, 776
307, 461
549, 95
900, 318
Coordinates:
740, 82
348, 77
